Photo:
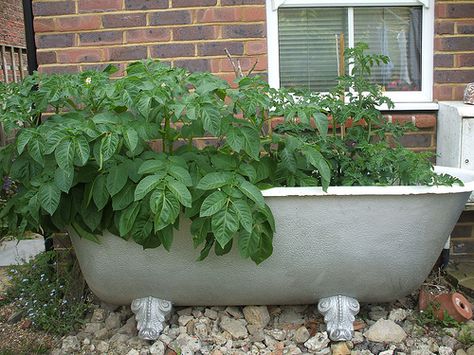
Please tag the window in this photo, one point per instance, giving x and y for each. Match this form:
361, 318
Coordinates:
303, 37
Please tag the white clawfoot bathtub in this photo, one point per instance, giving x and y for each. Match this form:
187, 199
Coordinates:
368, 244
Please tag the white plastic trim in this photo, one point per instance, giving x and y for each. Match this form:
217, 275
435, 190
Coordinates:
275, 4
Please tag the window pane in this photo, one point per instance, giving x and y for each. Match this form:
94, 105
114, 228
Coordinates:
395, 32
308, 51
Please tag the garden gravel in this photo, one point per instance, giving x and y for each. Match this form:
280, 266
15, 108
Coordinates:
385, 329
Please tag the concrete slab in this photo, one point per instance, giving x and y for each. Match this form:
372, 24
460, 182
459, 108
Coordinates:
461, 275
15, 252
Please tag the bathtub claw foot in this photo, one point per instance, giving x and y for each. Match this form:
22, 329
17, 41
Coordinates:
151, 313
339, 314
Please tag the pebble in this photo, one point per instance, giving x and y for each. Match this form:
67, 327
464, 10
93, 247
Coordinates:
234, 312
340, 348
113, 321
158, 348
301, 335
257, 315
71, 344
385, 331
318, 342
377, 312
398, 315
235, 327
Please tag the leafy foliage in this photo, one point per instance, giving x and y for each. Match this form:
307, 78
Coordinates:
89, 166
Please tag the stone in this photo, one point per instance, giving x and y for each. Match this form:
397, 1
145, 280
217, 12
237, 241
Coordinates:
158, 348
340, 348
289, 317
452, 343
211, 314
452, 332
165, 339
398, 315
101, 334
133, 352
108, 306
361, 352
357, 338
93, 328
461, 352
86, 341
136, 342
185, 311
184, 319
325, 351
301, 335
130, 327
185, 344
71, 344
235, 327
318, 342
119, 338
15, 317
257, 315
102, 346
113, 321
277, 334
234, 312
444, 350
385, 331
256, 333
377, 312
201, 330
99, 315
470, 351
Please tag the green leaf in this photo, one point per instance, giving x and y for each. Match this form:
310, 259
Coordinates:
224, 224
131, 138
105, 118
142, 229
264, 249
22, 140
248, 170
167, 209
49, 196
180, 191
225, 250
152, 166
181, 174
166, 237
211, 119
117, 178
248, 243
36, 148
213, 203
143, 105
322, 123
108, 146
100, 195
243, 211
91, 217
63, 179
64, 154
200, 227
147, 184
82, 151
214, 180
127, 218
251, 142
234, 139
252, 192
317, 160
81, 232
124, 198
288, 160
53, 139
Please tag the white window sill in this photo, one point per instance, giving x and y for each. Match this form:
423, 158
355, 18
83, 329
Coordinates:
412, 106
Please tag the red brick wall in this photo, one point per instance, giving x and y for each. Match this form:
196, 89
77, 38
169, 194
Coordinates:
82, 34
11, 23
454, 48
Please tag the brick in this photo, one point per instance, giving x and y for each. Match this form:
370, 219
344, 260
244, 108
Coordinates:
458, 92
78, 23
124, 20
193, 3
453, 76
105, 37
148, 35
252, 14
218, 48
425, 121
81, 55
256, 47
243, 31
465, 27
55, 40
194, 33
229, 77
465, 60
416, 140
177, 17
46, 57
127, 53
53, 8
246, 64
102, 66
193, 65
455, 44
146, 4
402, 119
242, 2
218, 15
99, 5
443, 92
59, 69
442, 28
461, 10
44, 24
171, 50
443, 60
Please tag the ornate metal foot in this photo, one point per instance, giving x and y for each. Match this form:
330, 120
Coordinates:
339, 314
150, 313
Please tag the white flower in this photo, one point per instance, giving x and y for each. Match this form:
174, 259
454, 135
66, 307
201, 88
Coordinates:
88, 80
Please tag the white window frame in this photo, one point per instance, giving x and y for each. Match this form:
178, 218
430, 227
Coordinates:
403, 99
